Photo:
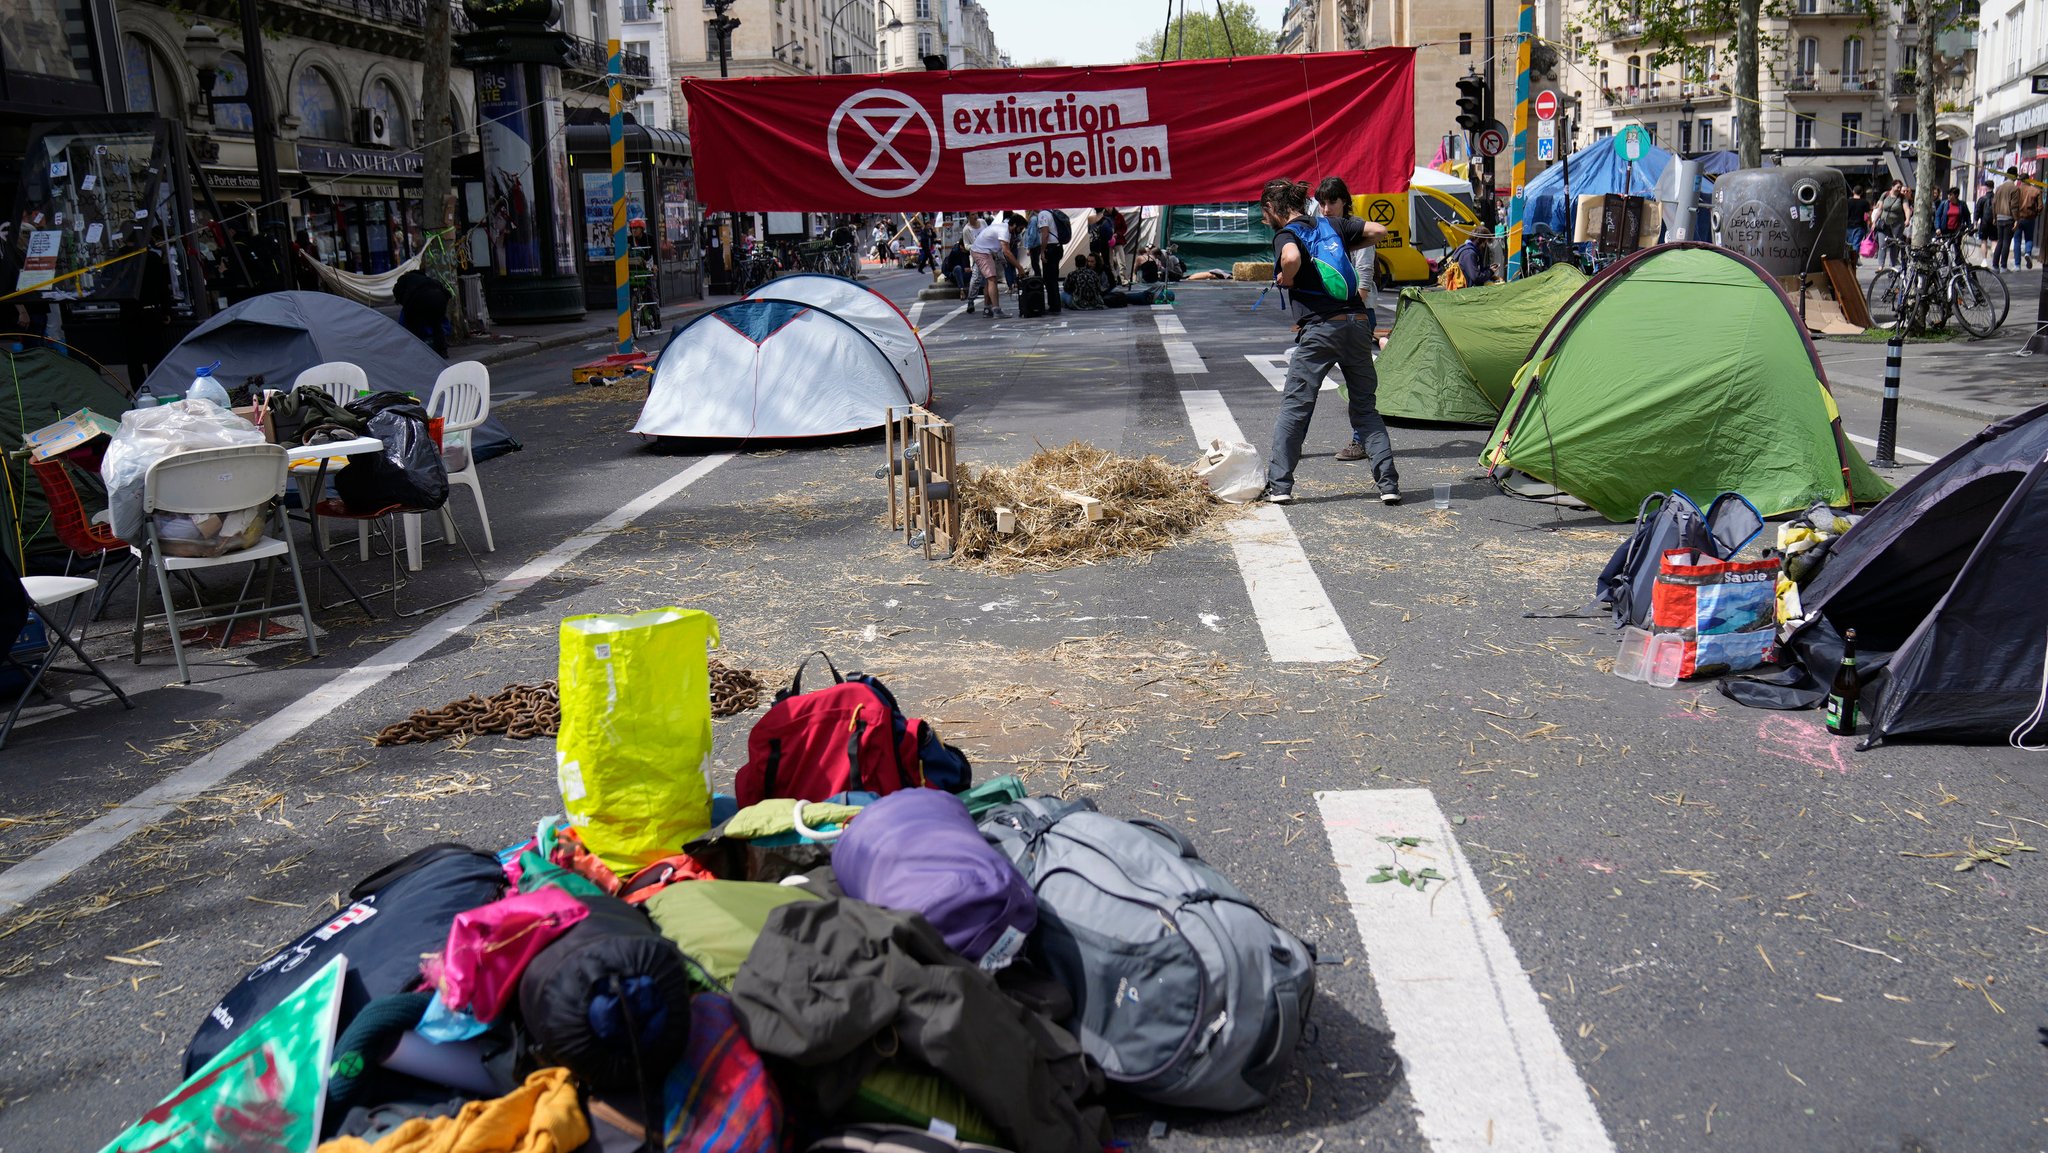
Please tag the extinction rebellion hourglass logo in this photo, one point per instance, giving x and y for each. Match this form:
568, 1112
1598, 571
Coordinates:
885, 144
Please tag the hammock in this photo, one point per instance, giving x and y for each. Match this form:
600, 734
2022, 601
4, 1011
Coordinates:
366, 289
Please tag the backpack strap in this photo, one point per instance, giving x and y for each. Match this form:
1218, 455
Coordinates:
855, 729
1185, 846
796, 683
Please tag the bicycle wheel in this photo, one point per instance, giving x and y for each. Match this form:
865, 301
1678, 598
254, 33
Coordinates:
1884, 298
1980, 302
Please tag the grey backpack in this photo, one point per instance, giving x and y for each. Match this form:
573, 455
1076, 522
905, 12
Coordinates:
1629, 581
1184, 991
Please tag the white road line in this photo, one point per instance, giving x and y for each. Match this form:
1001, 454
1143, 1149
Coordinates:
1295, 614
1908, 453
24, 882
941, 322
916, 312
1481, 1056
1273, 366
1180, 351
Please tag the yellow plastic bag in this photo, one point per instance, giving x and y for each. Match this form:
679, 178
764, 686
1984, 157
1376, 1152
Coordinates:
636, 726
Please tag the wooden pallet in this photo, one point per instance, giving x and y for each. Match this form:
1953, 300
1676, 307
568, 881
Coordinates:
922, 472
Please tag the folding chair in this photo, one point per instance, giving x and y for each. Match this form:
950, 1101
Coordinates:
77, 532
462, 399
39, 596
218, 481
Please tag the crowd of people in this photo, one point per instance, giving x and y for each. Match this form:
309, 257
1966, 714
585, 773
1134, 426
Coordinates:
1998, 228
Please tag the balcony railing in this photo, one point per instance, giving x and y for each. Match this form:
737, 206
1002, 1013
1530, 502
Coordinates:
408, 13
1811, 8
1646, 94
1834, 82
589, 58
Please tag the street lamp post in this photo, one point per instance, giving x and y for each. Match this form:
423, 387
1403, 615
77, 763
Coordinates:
723, 24
203, 47
834, 55
1685, 112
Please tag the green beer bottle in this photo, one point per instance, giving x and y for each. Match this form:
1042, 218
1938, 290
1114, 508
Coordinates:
1842, 694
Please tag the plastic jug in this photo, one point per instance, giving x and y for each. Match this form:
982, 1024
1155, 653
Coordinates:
205, 387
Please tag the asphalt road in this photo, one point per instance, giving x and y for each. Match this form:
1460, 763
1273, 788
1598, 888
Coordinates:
1740, 933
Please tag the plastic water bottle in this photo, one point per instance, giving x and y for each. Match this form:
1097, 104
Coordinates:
204, 387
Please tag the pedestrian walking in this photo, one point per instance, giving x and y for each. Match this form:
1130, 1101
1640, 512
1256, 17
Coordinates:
2026, 221
1328, 333
1987, 228
994, 249
1333, 196
2004, 204
1102, 245
1859, 221
1892, 210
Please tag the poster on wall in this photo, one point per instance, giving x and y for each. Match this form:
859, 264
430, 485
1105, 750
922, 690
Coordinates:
556, 145
597, 211
508, 169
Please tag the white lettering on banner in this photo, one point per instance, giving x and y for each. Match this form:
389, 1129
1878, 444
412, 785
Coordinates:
1126, 154
991, 118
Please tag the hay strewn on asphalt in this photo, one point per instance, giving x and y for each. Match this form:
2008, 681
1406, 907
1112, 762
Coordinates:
1148, 504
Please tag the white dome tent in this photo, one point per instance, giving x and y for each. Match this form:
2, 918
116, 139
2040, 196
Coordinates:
868, 310
771, 368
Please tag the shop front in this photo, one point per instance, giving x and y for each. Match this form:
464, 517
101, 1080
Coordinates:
360, 208
662, 214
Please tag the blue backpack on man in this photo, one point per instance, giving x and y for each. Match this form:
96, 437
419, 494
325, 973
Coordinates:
1331, 263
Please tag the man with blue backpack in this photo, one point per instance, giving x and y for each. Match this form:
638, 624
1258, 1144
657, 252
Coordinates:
1312, 260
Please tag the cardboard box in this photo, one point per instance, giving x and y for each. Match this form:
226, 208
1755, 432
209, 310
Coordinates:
74, 431
258, 415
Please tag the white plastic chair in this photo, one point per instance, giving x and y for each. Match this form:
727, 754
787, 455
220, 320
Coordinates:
341, 381
45, 594
462, 399
339, 378
220, 480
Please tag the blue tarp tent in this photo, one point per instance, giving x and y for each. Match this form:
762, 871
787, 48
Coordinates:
1596, 171
1715, 163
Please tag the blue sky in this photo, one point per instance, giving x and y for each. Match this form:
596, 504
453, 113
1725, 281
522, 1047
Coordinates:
1090, 31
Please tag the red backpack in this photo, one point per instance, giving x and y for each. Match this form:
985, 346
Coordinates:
847, 737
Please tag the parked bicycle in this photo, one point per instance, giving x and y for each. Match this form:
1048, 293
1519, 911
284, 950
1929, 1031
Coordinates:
1974, 297
753, 271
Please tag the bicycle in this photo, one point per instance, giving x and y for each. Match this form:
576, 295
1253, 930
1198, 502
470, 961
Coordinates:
646, 309
753, 271
1979, 304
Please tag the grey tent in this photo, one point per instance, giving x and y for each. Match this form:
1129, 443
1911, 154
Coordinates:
278, 335
1945, 576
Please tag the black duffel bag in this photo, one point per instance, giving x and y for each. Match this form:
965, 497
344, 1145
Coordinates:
394, 915
610, 999
408, 473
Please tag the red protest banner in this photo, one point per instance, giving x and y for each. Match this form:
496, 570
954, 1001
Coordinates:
1182, 132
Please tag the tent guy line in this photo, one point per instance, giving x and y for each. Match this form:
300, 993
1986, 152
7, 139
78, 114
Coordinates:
1480, 1055
29, 879
1295, 614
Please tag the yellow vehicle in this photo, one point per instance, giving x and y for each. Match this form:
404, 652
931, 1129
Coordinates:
1434, 216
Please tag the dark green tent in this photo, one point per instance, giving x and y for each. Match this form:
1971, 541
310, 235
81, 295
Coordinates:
1452, 356
1681, 366
39, 387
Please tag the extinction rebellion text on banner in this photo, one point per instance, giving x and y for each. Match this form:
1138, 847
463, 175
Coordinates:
1114, 144
1179, 132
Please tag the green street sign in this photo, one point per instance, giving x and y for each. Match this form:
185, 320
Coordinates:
1632, 143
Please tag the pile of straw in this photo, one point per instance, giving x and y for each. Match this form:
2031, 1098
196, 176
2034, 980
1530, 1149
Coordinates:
1148, 504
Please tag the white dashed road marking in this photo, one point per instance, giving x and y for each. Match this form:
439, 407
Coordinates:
1273, 366
1907, 453
1295, 614
1180, 351
1480, 1055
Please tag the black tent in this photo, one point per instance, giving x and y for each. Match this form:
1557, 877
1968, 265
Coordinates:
1947, 576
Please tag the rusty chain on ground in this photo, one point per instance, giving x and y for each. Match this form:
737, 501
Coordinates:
526, 711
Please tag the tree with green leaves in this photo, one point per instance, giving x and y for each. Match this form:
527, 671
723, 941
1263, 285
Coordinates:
1680, 35
1931, 22
1202, 35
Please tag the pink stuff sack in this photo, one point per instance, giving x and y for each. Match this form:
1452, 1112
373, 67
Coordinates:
489, 946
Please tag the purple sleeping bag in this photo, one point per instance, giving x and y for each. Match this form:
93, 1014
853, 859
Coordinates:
918, 850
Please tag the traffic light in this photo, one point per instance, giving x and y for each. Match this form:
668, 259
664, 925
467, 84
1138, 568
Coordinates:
1471, 101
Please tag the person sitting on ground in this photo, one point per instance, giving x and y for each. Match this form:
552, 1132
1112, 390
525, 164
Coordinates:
1149, 268
1170, 260
1084, 289
1210, 274
956, 267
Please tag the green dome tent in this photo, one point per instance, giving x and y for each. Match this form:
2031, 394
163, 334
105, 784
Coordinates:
39, 387
1681, 366
1452, 355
